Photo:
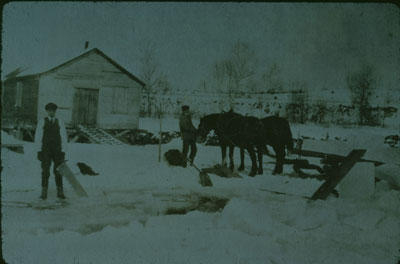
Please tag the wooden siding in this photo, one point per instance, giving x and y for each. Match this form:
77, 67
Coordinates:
26, 107
91, 72
85, 106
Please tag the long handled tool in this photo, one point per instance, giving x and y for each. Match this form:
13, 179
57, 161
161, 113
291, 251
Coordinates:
204, 177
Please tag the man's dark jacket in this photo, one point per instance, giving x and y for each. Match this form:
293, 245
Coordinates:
188, 131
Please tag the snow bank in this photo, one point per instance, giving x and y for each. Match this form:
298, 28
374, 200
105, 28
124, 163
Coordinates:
9, 139
359, 183
389, 173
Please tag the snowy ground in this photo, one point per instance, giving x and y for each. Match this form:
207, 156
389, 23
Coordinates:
126, 220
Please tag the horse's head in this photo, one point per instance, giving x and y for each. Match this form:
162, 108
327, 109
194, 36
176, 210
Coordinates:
205, 126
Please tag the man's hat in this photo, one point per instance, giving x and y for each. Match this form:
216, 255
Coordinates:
51, 106
185, 108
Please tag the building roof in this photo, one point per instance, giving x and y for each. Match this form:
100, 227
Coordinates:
95, 50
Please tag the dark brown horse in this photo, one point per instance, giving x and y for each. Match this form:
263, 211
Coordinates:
247, 133
235, 130
279, 136
275, 131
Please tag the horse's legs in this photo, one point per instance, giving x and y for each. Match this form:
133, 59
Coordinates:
253, 161
223, 152
280, 159
241, 168
260, 151
231, 148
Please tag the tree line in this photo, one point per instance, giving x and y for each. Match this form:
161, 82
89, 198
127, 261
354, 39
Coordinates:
238, 74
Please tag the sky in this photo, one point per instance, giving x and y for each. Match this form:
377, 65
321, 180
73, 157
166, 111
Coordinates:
315, 43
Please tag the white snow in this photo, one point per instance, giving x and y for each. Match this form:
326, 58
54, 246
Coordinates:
8, 139
359, 183
124, 218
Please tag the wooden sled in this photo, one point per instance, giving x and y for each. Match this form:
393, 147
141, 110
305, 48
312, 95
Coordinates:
300, 164
332, 178
337, 174
329, 158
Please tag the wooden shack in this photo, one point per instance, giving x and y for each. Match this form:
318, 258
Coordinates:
91, 89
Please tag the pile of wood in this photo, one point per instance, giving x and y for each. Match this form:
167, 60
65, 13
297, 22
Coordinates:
144, 137
393, 141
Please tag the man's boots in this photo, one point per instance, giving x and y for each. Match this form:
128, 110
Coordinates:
60, 193
44, 193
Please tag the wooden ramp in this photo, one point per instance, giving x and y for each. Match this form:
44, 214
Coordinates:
98, 135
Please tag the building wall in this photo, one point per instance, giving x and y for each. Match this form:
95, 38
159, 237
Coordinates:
20, 99
9, 98
119, 95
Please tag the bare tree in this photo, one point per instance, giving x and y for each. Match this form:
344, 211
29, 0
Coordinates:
320, 110
219, 76
299, 107
203, 86
271, 79
162, 86
232, 74
149, 71
387, 109
361, 84
242, 64
229, 73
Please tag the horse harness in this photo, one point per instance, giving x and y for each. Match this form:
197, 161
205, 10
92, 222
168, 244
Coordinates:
218, 130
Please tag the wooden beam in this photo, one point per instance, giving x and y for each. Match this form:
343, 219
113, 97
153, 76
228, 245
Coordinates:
74, 139
317, 154
87, 137
12, 145
122, 133
19, 148
66, 172
337, 174
30, 134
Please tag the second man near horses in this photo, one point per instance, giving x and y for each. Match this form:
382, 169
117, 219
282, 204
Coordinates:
188, 134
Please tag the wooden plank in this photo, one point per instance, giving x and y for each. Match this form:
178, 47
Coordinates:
93, 96
122, 133
75, 138
337, 174
87, 137
108, 137
85, 106
19, 148
317, 154
30, 134
75, 108
66, 172
12, 145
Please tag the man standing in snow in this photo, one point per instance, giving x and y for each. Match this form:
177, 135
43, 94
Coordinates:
188, 134
51, 138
